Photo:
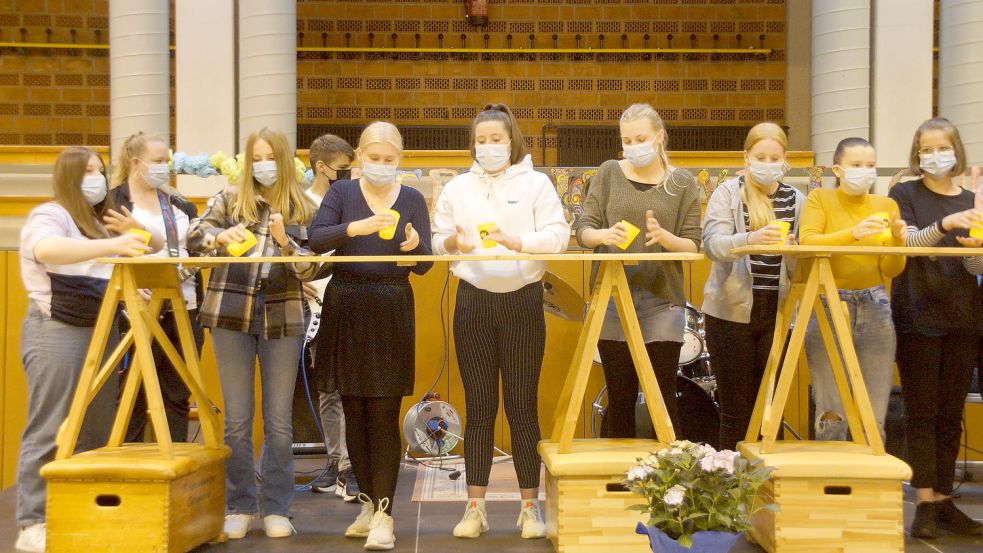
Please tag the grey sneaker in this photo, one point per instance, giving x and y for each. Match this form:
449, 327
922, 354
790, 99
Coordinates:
347, 486
328, 480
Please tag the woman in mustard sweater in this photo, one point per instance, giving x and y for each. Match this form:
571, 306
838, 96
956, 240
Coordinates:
849, 216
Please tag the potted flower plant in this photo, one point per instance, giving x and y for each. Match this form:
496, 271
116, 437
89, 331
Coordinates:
699, 500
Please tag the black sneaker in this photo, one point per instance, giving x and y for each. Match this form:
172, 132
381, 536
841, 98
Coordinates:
347, 486
925, 524
952, 519
328, 480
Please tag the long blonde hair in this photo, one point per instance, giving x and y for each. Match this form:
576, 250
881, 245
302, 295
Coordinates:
759, 205
70, 169
288, 195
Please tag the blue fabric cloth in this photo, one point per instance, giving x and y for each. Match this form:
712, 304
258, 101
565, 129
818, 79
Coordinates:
703, 542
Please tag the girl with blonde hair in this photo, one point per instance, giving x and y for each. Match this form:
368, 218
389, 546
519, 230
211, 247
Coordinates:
742, 293
258, 309
366, 341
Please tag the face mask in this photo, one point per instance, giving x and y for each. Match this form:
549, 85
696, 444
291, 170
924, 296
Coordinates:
341, 174
94, 188
640, 155
265, 172
938, 164
378, 174
158, 174
492, 157
767, 174
857, 181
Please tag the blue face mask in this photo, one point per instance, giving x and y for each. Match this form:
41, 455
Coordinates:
937, 164
767, 174
94, 188
378, 174
265, 172
640, 155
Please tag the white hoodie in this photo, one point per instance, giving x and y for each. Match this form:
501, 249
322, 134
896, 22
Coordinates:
521, 202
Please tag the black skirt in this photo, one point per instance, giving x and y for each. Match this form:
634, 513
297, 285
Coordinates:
366, 344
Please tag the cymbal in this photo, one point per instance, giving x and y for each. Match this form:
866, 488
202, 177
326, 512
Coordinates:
561, 299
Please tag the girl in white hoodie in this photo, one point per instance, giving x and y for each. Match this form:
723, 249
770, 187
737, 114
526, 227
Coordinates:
503, 206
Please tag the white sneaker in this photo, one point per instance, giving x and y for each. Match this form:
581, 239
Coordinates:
531, 521
237, 526
31, 538
278, 526
360, 528
474, 523
381, 536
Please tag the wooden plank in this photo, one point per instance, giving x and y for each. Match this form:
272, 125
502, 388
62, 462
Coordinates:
211, 261
815, 251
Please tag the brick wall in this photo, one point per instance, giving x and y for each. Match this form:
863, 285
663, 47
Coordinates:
62, 96
543, 89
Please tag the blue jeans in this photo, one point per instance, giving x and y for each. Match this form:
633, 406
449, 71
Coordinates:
875, 342
236, 354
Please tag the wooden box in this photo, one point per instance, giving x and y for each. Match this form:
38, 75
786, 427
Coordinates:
586, 503
833, 497
129, 499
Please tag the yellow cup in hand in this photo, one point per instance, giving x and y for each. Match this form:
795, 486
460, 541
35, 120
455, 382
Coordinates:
484, 229
632, 232
142, 234
236, 249
885, 219
783, 228
389, 232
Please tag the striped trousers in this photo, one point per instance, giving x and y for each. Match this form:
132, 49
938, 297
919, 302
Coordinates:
500, 334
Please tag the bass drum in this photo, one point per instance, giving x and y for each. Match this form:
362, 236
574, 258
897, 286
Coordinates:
699, 418
693, 343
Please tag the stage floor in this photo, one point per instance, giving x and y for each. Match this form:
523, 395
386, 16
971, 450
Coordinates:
426, 526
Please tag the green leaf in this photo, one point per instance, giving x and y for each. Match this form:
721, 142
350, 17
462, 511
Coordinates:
686, 540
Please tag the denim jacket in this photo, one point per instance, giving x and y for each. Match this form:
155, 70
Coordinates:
727, 294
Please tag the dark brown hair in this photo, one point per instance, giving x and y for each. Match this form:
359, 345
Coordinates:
70, 169
502, 114
327, 147
850, 142
951, 133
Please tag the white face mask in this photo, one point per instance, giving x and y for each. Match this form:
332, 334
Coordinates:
94, 188
857, 181
640, 155
378, 174
265, 172
158, 174
767, 174
938, 164
492, 157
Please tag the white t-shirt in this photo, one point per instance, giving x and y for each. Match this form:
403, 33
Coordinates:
155, 223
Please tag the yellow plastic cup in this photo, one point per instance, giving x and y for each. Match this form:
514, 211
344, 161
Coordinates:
389, 232
632, 233
976, 231
483, 230
236, 249
885, 218
142, 234
783, 227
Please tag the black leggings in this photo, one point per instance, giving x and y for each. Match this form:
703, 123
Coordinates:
500, 334
936, 373
372, 435
175, 392
739, 353
622, 383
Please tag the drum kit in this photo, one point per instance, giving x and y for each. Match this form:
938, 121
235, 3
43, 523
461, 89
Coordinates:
696, 386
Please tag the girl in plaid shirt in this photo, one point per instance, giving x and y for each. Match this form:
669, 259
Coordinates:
258, 309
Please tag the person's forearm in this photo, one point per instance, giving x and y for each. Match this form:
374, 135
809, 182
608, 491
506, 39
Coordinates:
672, 243
66, 251
592, 238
